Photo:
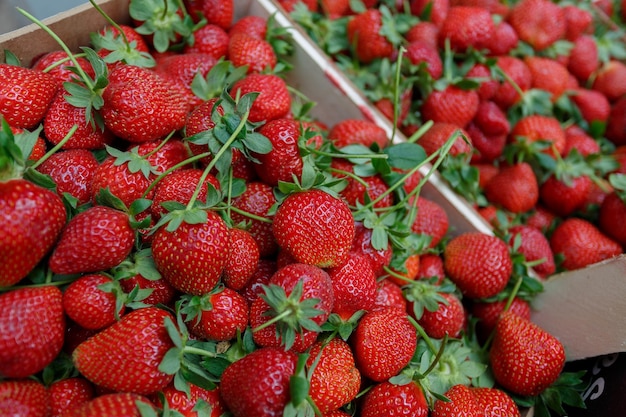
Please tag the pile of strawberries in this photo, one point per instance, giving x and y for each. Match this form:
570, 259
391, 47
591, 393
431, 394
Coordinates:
179, 236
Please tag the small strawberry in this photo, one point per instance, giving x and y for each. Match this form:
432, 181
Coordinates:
616, 125
519, 79
488, 313
179, 186
487, 148
115, 404
513, 188
257, 199
548, 75
451, 105
479, 264
251, 25
583, 59
90, 306
94, 240
283, 162
435, 138
243, 259
49, 61
218, 12
373, 185
535, 248
189, 405
72, 171
211, 40
491, 120
465, 27
362, 244
578, 20
357, 132
462, 402
25, 312
424, 52
612, 209
383, 343
273, 101
24, 398
593, 105
424, 31
536, 128
125, 357
448, 319
565, 194
388, 399
581, 243
389, 294
431, 220
539, 23
258, 383
69, 393
314, 227
25, 95
354, 286
261, 277
504, 38
431, 265
525, 359
494, 401
257, 54
610, 80
435, 10
124, 180
161, 292
364, 32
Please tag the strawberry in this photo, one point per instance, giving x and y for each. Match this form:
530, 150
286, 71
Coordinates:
300, 297
163, 155
31, 220
487, 148
564, 195
192, 257
258, 383
179, 186
161, 292
408, 272
211, 40
273, 101
188, 405
431, 220
88, 305
616, 125
578, 21
490, 119
431, 265
583, 59
364, 32
488, 85
261, 277
374, 186
494, 401
462, 402
547, 74
592, 104
251, 25
72, 171
383, 343
62, 72
218, 315
439, 133
525, 359
389, 294
435, 10
488, 313
25, 312
519, 79
354, 286
447, 319
335, 380
537, 127
115, 404
610, 80
535, 247
466, 27
358, 132
452, 105
218, 12
257, 199
513, 188
25, 95
127, 184
69, 393
539, 23
581, 243
388, 399
420, 51
284, 160
257, 54
140, 106
612, 209
125, 356
362, 244
423, 31
94, 240
541, 218
315, 228
503, 40
243, 259
24, 398
584, 144
479, 264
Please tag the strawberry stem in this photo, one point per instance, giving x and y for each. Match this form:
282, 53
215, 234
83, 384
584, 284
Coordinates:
509, 301
173, 168
55, 148
112, 23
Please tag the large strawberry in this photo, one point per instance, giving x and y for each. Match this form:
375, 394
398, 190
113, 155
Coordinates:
24, 348
24, 398
25, 95
88, 305
256, 53
125, 357
479, 264
258, 383
462, 402
94, 240
465, 27
315, 228
283, 162
69, 393
395, 400
540, 23
513, 188
494, 401
525, 359
31, 219
354, 285
451, 105
273, 101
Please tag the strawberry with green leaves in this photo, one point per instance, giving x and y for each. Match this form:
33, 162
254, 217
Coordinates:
283, 162
534, 246
25, 312
273, 101
198, 400
449, 317
364, 32
514, 188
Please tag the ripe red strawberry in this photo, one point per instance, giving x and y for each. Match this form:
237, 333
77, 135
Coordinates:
25, 312
125, 356
36, 91
295, 292
420, 51
257, 199
563, 196
69, 393
537, 127
218, 12
439, 133
539, 23
593, 105
273, 102
383, 343
243, 259
535, 247
578, 21
504, 38
584, 144
61, 72
581, 243
162, 291
258, 383
364, 32
261, 277
251, 25
374, 186
507, 94
31, 219
389, 294
411, 267
211, 40
610, 80
140, 106
487, 148
94, 240
493, 401
612, 210
256, 53
358, 132
180, 186
115, 174
488, 313
548, 75
583, 59
188, 405
488, 85
431, 220
335, 380
437, 9
491, 120
423, 31
525, 359
449, 318
284, 160
72, 171
24, 398
431, 265
62, 116
90, 306
116, 404
192, 257
388, 399
219, 315
616, 125
315, 228
514, 188
465, 27
462, 403
479, 264
451, 105
362, 244
354, 286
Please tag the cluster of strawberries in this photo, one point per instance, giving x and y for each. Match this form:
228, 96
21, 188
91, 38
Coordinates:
179, 236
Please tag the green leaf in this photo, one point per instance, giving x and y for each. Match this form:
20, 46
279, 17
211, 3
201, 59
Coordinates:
171, 361
11, 59
173, 333
257, 143
405, 155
